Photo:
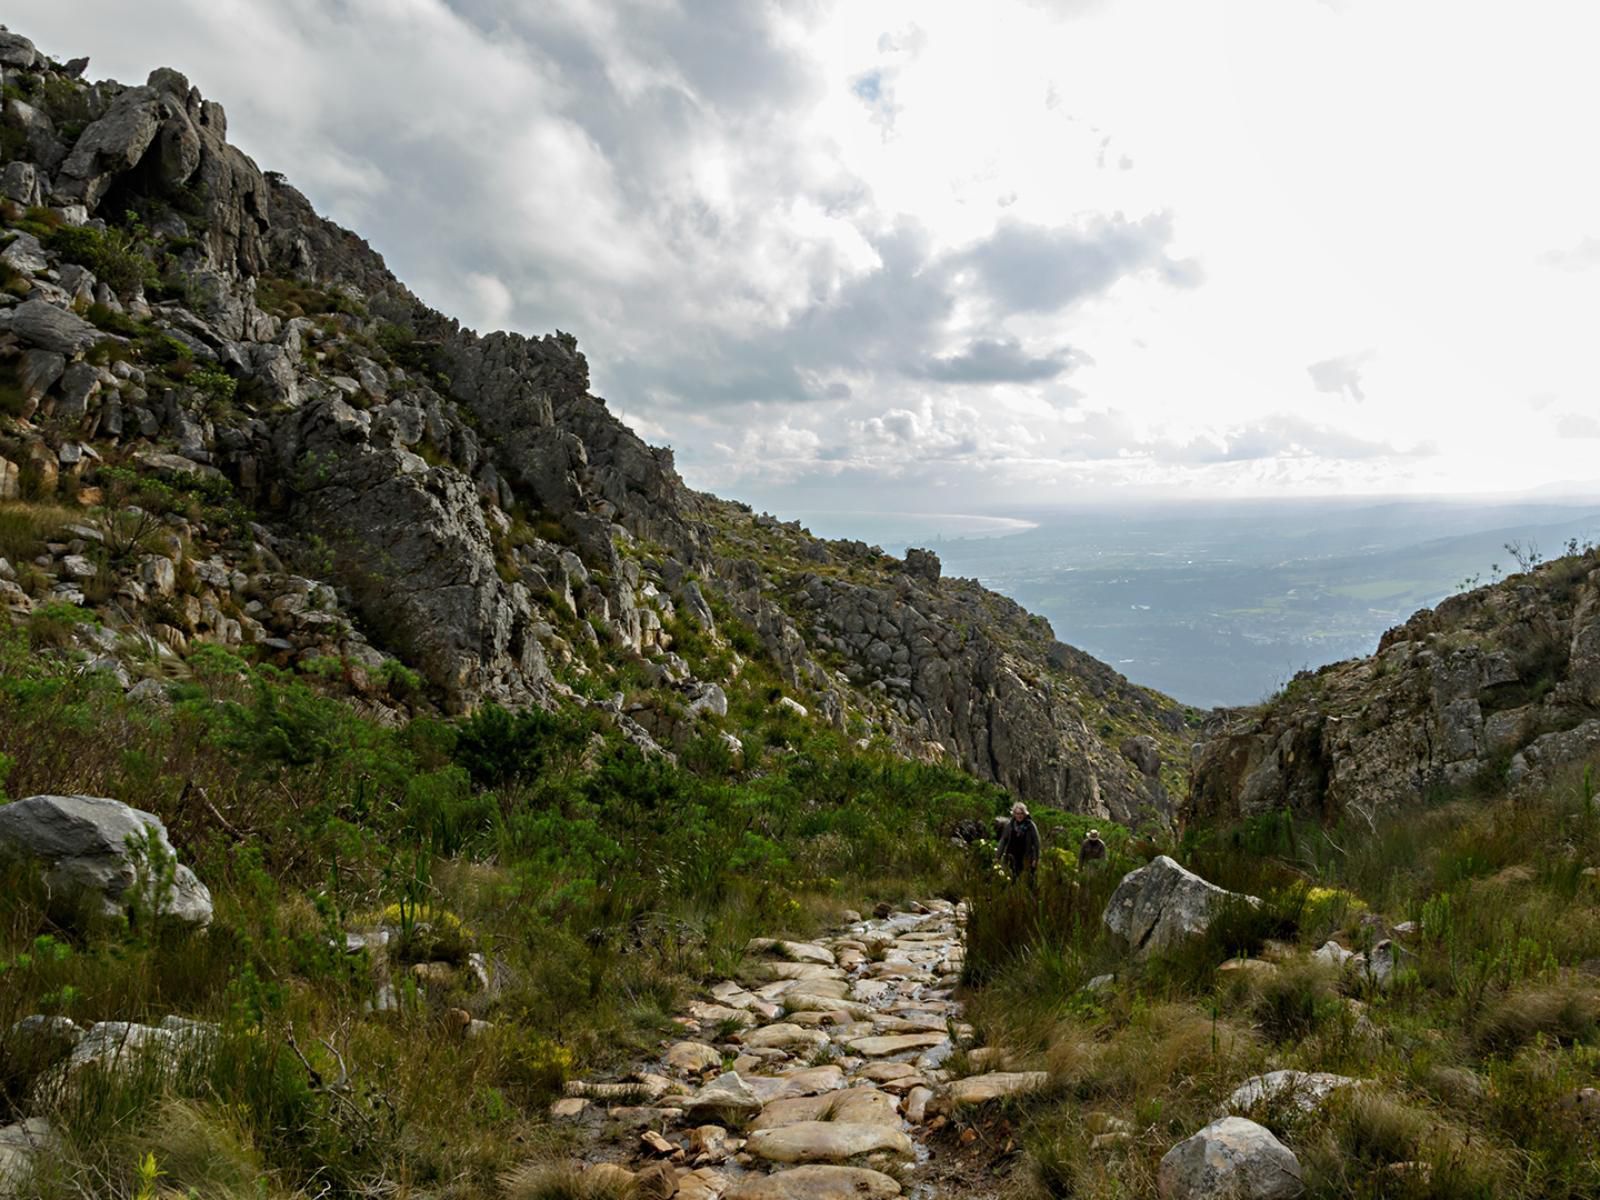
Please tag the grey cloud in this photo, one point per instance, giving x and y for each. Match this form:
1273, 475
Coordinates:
1342, 373
888, 320
1104, 436
1286, 436
1000, 360
1033, 268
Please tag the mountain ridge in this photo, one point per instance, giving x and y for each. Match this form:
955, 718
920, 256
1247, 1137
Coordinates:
477, 513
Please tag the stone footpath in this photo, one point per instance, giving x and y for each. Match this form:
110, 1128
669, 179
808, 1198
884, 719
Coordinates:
816, 1075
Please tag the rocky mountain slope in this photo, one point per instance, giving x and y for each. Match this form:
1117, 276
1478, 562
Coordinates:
223, 422
1495, 687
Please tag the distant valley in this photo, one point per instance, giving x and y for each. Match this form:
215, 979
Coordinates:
1220, 604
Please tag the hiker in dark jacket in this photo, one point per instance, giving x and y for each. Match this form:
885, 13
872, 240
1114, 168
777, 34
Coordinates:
1019, 842
1093, 849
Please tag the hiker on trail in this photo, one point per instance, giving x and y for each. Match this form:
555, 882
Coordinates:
1019, 842
1093, 850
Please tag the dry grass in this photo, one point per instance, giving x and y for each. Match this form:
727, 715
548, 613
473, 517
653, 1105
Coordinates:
26, 527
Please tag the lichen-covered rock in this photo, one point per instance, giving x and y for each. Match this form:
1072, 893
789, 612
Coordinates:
1231, 1157
102, 859
1304, 1090
1161, 904
22, 1143
415, 550
16, 50
111, 145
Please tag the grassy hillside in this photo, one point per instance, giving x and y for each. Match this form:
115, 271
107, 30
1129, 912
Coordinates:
1473, 1061
599, 887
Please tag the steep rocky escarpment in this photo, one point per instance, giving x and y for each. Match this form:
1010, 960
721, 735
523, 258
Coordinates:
1495, 686
229, 423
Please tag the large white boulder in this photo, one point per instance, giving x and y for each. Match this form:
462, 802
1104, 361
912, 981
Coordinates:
1230, 1157
1161, 904
89, 848
124, 1048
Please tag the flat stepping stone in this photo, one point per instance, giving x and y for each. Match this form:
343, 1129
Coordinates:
883, 1047
815, 1018
816, 1183
703, 1184
910, 1024
857, 1106
904, 1084
868, 990
767, 972
793, 951
692, 1057
713, 1014
812, 1002
836, 989
926, 1005
827, 1141
785, 1035
884, 1071
811, 1081
979, 1089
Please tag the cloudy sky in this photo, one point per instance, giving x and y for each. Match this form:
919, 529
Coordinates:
903, 254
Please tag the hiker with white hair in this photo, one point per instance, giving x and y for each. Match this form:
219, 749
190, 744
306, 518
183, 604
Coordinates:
1019, 842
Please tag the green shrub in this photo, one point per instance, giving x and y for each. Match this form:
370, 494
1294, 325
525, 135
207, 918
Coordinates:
52, 624
103, 316
216, 387
111, 254
498, 747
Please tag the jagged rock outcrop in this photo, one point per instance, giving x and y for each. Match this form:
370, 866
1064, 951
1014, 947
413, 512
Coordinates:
454, 501
1497, 685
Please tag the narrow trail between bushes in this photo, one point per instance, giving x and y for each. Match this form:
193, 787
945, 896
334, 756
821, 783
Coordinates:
823, 1072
